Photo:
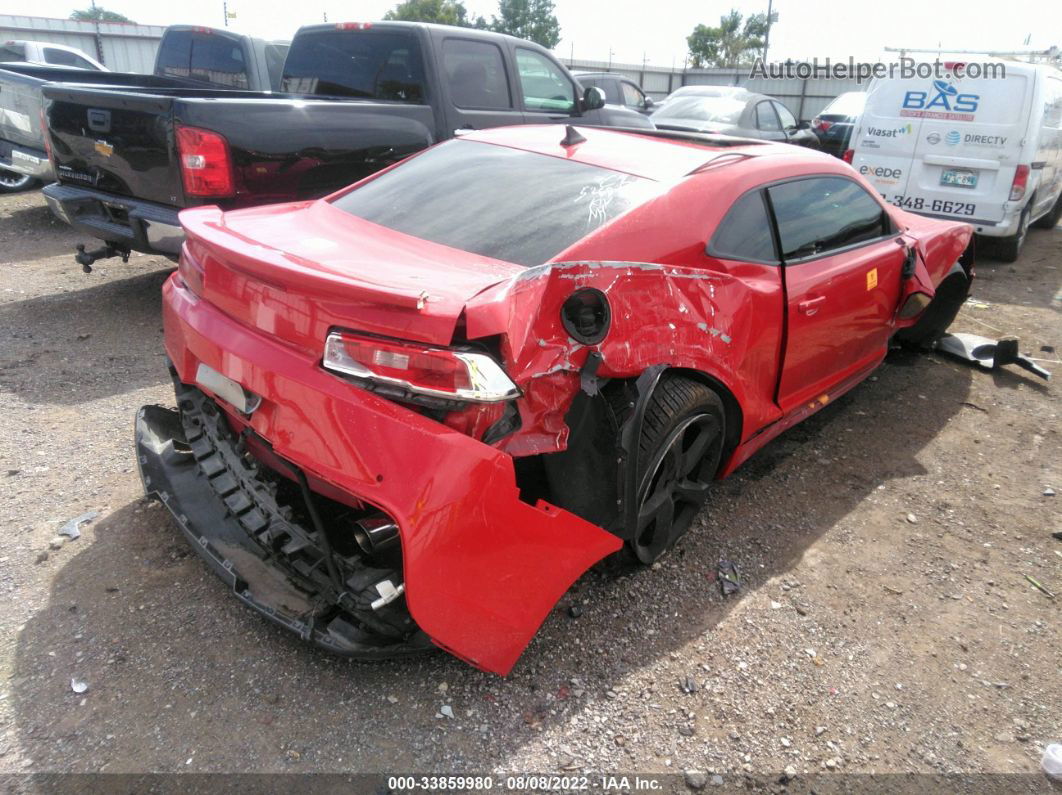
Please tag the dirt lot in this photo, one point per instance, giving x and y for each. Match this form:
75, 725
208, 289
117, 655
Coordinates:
885, 623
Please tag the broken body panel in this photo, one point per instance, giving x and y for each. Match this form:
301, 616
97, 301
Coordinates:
483, 561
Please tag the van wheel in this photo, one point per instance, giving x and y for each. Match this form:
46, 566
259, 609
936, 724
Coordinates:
1010, 247
678, 454
1050, 221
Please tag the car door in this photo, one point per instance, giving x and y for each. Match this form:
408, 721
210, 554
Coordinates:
842, 267
478, 85
547, 94
768, 126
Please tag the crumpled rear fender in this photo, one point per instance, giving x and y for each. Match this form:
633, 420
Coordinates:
724, 325
482, 568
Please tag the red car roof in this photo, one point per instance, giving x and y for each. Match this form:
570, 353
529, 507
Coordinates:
641, 155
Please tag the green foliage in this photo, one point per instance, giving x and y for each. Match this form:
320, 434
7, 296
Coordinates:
98, 14
441, 12
528, 19
733, 43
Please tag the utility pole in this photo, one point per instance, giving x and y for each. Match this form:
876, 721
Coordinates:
609, 60
99, 38
767, 35
225, 11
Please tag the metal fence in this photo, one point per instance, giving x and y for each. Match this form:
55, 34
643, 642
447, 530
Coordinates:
120, 46
805, 98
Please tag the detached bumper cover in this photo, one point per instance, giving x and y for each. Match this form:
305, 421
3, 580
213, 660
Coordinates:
482, 568
138, 225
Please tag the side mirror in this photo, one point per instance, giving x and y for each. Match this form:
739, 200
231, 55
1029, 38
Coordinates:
804, 125
648, 102
593, 98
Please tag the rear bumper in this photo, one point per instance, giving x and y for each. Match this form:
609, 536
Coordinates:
481, 568
24, 160
131, 223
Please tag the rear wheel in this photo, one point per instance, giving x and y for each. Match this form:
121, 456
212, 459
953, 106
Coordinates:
947, 300
1010, 247
1050, 221
679, 452
12, 181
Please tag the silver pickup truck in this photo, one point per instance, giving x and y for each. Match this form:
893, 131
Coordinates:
189, 57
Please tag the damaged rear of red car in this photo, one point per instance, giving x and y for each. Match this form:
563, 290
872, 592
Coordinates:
413, 413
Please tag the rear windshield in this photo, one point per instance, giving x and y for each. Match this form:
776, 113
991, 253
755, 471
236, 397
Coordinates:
848, 104
723, 110
12, 52
210, 58
503, 203
352, 63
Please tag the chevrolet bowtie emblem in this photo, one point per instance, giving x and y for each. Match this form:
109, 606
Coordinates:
104, 148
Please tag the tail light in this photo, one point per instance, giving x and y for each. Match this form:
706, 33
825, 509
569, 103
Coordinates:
848, 155
44, 135
206, 165
353, 25
1020, 183
820, 125
421, 369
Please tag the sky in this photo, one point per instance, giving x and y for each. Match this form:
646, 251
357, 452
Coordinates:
631, 30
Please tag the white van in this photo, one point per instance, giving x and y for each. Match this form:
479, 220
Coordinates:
985, 150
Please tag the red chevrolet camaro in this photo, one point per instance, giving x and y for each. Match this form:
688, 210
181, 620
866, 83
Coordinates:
412, 413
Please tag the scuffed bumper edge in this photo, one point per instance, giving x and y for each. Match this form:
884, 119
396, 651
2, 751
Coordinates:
169, 474
482, 567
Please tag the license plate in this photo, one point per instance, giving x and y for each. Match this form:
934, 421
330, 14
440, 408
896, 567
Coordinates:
959, 177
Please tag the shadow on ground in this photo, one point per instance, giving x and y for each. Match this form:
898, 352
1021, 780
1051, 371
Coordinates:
108, 326
34, 233
182, 677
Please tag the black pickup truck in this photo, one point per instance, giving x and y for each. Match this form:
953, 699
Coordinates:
355, 98
193, 57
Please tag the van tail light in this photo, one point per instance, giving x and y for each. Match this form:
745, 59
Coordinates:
849, 154
418, 368
1020, 183
206, 165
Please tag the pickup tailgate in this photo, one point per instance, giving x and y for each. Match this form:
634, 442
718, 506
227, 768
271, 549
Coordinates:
116, 142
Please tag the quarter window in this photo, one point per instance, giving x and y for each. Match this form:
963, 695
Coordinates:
745, 233
766, 118
820, 214
545, 87
476, 75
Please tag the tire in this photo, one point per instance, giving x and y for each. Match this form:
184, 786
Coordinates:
13, 182
679, 450
1050, 221
1009, 248
948, 299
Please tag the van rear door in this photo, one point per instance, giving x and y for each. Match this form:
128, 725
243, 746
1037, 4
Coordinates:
946, 148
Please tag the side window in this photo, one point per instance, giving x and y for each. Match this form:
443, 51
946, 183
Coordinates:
475, 73
632, 96
544, 85
766, 118
745, 232
788, 119
59, 57
218, 60
12, 51
819, 214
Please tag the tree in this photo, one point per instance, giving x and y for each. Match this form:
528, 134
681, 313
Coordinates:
730, 44
528, 19
442, 12
97, 14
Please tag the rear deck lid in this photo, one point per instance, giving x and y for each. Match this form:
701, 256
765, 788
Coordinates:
297, 271
945, 148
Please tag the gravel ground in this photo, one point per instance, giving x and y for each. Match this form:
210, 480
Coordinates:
885, 623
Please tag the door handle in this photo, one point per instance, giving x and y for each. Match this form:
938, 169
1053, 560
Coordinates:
811, 306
